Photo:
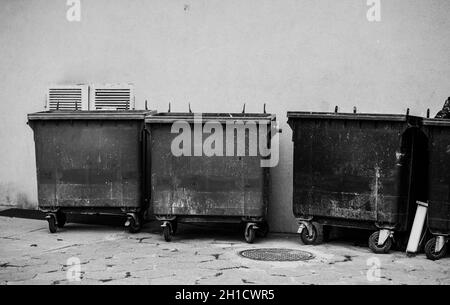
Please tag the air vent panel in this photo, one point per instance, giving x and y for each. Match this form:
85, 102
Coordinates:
70, 97
112, 97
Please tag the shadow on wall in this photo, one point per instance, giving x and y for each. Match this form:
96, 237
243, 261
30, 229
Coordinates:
11, 196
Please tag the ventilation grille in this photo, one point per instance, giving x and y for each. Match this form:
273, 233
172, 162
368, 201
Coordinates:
118, 97
67, 98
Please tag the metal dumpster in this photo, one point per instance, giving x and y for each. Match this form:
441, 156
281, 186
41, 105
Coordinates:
438, 134
354, 170
90, 162
200, 187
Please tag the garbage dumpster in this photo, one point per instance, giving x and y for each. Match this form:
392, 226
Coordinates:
438, 134
90, 162
197, 185
354, 170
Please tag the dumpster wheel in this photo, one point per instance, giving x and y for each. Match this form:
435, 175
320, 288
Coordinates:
167, 233
313, 238
373, 243
249, 234
52, 227
431, 252
133, 227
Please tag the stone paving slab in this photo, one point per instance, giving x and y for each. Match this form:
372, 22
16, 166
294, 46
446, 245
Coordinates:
29, 254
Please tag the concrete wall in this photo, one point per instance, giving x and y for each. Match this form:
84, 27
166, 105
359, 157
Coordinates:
290, 54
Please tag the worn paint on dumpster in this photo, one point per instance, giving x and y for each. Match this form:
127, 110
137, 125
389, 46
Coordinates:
89, 159
352, 169
204, 185
438, 133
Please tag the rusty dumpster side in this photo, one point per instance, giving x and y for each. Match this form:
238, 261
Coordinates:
438, 134
353, 170
205, 186
89, 161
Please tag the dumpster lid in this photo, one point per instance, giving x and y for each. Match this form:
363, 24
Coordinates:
170, 117
349, 116
436, 122
91, 115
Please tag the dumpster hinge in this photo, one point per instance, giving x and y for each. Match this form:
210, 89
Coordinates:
384, 235
304, 223
440, 242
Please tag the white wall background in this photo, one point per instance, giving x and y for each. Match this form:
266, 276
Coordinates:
290, 54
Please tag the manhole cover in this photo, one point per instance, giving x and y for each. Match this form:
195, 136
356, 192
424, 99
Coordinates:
276, 254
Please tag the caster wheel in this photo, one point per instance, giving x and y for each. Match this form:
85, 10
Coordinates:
174, 227
61, 219
373, 243
133, 227
167, 234
263, 229
313, 238
52, 227
250, 235
430, 250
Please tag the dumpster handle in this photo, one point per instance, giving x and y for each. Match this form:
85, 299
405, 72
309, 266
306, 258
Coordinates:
354, 109
428, 113
336, 108
169, 108
243, 109
264, 109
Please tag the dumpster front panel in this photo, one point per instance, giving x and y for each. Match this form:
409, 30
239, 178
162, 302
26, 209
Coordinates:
351, 169
88, 163
204, 185
438, 132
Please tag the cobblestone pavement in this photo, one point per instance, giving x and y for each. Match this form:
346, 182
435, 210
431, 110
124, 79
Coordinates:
29, 254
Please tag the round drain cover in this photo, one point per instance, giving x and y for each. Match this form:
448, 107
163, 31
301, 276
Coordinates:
276, 255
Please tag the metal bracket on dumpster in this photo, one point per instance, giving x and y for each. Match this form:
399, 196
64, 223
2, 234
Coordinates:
384, 235
131, 216
129, 210
249, 225
165, 218
50, 215
305, 224
166, 223
440, 242
252, 219
49, 211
